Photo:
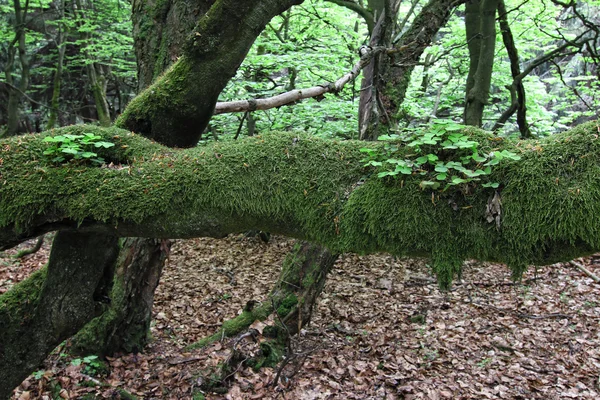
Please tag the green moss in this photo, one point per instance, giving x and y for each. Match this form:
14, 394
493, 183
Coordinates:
24, 296
287, 305
307, 187
235, 325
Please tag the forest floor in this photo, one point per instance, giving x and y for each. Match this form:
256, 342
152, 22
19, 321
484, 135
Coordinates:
382, 330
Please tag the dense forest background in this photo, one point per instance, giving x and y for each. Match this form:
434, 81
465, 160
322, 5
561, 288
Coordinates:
68, 62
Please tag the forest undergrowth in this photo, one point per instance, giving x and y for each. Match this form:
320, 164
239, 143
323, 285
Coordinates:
382, 330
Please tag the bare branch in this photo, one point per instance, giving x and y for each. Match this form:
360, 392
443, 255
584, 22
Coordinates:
317, 92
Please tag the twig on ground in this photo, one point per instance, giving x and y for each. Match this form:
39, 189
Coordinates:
585, 271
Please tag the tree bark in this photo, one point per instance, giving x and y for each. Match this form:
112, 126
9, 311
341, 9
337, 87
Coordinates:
480, 24
15, 91
125, 326
177, 107
517, 90
160, 29
61, 48
395, 79
53, 304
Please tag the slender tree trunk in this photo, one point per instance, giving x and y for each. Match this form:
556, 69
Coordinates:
517, 90
480, 24
15, 91
54, 103
98, 84
96, 74
413, 42
54, 303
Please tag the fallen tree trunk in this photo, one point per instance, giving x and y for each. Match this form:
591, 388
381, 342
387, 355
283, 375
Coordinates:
312, 189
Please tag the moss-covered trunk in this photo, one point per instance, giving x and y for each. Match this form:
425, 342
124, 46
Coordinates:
54, 303
303, 276
177, 107
160, 29
125, 325
293, 297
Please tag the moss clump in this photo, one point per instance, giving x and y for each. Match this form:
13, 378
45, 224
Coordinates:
287, 305
235, 325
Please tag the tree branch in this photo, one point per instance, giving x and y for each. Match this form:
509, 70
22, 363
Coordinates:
363, 12
294, 96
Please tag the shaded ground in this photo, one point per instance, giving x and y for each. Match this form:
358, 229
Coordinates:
382, 330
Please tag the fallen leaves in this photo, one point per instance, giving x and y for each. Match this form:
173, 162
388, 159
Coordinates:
478, 341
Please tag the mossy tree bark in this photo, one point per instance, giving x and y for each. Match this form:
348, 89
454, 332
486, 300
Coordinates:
160, 29
293, 297
54, 303
125, 325
177, 107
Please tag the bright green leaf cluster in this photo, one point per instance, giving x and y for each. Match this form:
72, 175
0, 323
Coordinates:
75, 147
443, 155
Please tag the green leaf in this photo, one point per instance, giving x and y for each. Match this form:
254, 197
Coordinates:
441, 177
491, 185
422, 160
429, 184
106, 145
478, 158
441, 168
69, 150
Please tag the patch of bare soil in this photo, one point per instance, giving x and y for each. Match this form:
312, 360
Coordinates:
382, 330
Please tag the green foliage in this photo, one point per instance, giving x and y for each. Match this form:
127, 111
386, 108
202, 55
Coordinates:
69, 147
443, 155
92, 365
315, 43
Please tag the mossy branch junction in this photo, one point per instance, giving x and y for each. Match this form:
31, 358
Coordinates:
313, 189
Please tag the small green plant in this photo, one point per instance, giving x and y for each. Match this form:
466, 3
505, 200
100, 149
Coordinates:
38, 374
443, 155
484, 362
75, 147
92, 365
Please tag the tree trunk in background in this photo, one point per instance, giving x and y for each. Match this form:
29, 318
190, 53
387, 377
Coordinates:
160, 29
125, 326
178, 106
517, 90
395, 77
303, 276
370, 110
53, 304
54, 103
16, 90
480, 25
97, 77
96, 73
